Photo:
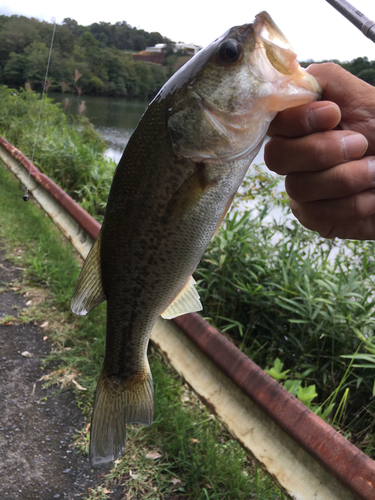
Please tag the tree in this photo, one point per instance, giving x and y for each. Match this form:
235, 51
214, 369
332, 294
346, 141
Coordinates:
358, 65
36, 58
368, 75
65, 39
91, 46
17, 34
154, 38
73, 26
98, 52
13, 70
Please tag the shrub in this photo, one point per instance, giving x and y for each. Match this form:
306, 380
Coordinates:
282, 292
71, 154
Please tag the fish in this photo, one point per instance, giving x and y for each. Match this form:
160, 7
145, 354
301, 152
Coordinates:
170, 192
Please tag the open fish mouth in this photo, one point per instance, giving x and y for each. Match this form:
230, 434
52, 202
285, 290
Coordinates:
280, 56
279, 51
274, 63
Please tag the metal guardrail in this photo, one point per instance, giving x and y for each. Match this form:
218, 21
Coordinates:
76, 224
307, 457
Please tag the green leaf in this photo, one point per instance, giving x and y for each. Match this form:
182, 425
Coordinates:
324, 414
275, 371
306, 394
292, 386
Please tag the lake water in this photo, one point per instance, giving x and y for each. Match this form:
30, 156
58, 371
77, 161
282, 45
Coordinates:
114, 118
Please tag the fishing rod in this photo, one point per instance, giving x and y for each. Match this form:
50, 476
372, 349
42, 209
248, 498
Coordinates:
356, 17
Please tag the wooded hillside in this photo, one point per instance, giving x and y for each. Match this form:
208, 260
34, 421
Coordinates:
96, 59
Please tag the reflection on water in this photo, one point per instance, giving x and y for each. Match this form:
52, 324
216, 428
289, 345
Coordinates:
116, 139
114, 118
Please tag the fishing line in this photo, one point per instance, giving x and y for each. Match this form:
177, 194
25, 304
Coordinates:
44, 84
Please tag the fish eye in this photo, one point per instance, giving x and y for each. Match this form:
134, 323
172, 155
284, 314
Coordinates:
230, 51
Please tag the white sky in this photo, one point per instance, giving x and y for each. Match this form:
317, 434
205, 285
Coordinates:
314, 28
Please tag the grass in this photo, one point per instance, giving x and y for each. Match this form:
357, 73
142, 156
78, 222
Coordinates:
285, 294
186, 452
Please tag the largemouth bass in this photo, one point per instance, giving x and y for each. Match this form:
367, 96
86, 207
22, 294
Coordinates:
170, 192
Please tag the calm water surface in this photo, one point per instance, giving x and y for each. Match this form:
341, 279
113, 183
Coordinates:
114, 118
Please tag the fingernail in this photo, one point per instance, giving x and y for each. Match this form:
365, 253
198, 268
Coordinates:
319, 117
371, 168
354, 146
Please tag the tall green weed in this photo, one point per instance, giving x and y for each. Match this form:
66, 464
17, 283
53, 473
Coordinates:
71, 154
283, 293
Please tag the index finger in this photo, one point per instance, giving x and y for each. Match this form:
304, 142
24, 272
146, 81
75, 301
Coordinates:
303, 120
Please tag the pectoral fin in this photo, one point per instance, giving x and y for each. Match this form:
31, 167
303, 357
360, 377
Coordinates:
186, 301
189, 194
89, 292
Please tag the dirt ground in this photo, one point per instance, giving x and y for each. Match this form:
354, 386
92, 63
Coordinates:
37, 456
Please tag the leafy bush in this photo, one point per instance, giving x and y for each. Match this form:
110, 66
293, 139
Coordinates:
282, 292
71, 154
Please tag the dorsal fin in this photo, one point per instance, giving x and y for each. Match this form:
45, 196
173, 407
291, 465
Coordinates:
186, 301
89, 292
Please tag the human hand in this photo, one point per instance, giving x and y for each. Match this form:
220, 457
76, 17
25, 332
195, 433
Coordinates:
320, 147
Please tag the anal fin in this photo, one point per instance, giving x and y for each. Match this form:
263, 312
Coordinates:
186, 301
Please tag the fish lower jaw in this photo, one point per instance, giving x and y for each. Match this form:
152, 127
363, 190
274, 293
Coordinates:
198, 157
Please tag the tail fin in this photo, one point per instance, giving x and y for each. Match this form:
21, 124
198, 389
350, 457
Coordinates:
118, 403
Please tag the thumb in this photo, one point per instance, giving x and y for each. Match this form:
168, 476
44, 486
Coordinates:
355, 98
338, 85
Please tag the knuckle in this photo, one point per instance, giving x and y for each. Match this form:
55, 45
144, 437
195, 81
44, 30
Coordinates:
331, 66
272, 157
294, 186
345, 180
321, 152
327, 232
326, 151
326, 67
358, 207
302, 213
